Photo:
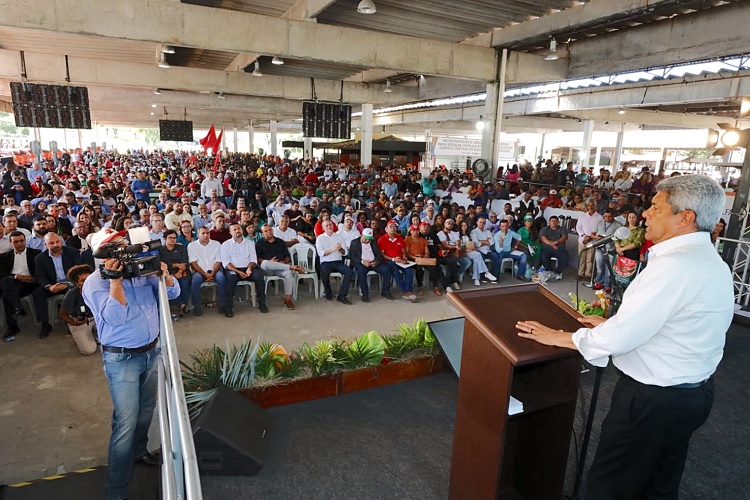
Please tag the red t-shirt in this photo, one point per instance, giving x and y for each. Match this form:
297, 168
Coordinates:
392, 248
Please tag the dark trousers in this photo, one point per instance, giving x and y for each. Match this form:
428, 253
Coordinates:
13, 291
338, 266
40, 296
644, 440
451, 264
231, 286
561, 254
362, 276
435, 273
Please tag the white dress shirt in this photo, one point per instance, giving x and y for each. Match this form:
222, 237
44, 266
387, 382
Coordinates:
20, 265
325, 242
671, 326
478, 235
204, 255
240, 255
587, 224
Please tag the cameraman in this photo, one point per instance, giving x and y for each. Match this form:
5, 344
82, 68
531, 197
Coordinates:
127, 319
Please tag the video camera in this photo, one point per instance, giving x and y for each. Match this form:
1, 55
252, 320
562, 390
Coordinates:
133, 253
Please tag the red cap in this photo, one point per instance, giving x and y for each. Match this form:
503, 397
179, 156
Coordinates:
392, 222
424, 223
413, 227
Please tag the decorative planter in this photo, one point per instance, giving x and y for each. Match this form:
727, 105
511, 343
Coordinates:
297, 391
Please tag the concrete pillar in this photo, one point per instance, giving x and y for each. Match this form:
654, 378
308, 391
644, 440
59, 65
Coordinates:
308, 153
234, 139
598, 158
618, 150
274, 139
80, 140
251, 137
428, 160
541, 147
493, 117
365, 152
588, 132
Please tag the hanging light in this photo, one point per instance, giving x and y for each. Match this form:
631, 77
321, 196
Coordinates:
163, 61
221, 95
480, 124
167, 49
552, 55
157, 91
367, 7
152, 113
277, 61
621, 111
388, 89
153, 105
256, 71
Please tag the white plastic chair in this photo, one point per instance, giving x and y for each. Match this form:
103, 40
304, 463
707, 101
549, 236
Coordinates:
304, 256
250, 293
508, 262
268, 278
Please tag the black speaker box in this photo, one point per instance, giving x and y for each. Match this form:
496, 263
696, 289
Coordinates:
231, 435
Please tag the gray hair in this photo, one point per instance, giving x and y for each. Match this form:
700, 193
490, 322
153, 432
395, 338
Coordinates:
698, 193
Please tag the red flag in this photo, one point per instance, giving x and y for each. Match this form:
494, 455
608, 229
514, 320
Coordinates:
209, 141
217, 149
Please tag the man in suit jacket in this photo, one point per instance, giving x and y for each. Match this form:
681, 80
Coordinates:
365, 256
17, 279
52, 266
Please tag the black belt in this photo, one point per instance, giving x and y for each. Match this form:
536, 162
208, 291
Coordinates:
688, 385
130, 350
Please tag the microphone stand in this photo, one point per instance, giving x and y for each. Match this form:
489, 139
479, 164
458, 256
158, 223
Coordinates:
614, 304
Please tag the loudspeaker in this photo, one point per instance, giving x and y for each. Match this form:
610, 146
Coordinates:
231, 435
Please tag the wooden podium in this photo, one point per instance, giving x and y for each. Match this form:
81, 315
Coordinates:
497, 456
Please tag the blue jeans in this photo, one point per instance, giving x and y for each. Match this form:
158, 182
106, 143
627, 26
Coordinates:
495, 258
184, 282
521, 259
602, 269
132, 385
404, 283
195, 288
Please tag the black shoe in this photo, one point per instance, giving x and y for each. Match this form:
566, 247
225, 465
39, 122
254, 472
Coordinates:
388, 295
328, 297
44, 332
221, 310
149, 459
263, 308
10, 337
343, 300
365, 298
228, 312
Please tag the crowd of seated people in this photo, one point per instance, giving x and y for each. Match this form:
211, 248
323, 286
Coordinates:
252, 217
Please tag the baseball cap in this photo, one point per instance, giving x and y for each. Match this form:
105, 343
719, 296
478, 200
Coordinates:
424, 223
413, 227
367, 233
552, 191
528, 217
392, 222
11, 210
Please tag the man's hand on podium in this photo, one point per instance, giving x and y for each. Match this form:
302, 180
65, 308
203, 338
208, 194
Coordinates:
544, 335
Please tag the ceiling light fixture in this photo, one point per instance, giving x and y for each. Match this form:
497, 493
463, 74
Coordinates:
153, 105
221, 95
157, 91
167, 49
388, 89
552, 55
163, 61
277, 61
480, 124
152, 113
256, 71
367, 7
621, 111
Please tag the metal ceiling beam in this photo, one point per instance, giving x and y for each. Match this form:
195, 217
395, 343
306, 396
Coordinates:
565, 21
708, 34
175, 23
48, 68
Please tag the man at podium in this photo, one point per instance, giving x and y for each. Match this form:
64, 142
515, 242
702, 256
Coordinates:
665, 341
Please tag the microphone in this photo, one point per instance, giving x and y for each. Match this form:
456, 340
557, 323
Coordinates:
622, 233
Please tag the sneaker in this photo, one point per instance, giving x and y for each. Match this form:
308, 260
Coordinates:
10, 338
476, 283
409, 296
490, 276
448, 289
558, 276
587, 284
456, 286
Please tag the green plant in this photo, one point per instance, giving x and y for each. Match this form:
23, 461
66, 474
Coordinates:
325, 356
410, 338
271, 360
234, 368
367, 350
583, 307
